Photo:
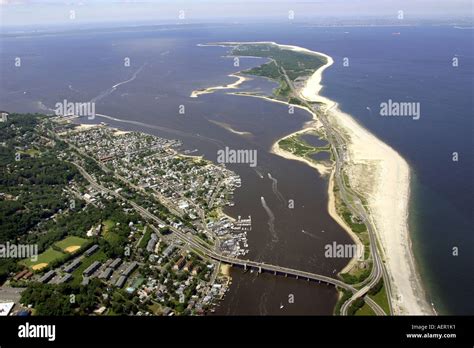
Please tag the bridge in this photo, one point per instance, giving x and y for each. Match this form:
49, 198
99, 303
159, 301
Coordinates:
262, 267
207, 251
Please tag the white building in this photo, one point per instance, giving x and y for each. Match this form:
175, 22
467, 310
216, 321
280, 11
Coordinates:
5, 308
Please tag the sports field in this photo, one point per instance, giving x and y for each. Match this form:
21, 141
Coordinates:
44, 259
71, 244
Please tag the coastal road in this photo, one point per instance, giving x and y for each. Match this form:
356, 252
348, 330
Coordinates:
354, 205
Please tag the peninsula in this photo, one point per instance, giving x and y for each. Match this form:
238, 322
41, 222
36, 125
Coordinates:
369, 182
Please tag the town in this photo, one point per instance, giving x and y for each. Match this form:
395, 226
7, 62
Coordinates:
138, 194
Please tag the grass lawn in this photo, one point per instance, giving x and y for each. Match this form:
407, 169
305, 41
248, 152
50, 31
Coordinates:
156, 308
108, 225
86, 262
31, 152
108, 233
145, 239
112, 237
48, 256
365, 310
70, 243
381, 299
299, 147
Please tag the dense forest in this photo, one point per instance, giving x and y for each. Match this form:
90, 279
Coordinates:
32, 178
62, 299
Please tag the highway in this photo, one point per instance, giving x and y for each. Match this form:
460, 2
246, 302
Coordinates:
354, 205
357, 209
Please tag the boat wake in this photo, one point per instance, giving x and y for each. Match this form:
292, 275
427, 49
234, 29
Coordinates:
163, 129
310, 234
114, 87
258, 173
275, 189
271, 220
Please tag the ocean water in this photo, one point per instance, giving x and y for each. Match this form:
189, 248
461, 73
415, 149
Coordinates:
414, 65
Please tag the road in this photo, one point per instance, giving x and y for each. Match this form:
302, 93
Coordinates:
354, 205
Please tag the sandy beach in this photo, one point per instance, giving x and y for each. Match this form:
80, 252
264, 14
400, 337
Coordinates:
229, 128
321, 168
381, 175
234, 85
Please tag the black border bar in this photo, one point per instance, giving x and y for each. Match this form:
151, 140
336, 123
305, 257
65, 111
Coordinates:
140, 331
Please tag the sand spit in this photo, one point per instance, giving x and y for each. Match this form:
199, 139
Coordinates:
376, 171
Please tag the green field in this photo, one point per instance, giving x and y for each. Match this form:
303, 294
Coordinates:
108, 232
146, 238
156, 308
71, 241
365, 310
108, 225
31, 152
381, 299
299, 147
48, 256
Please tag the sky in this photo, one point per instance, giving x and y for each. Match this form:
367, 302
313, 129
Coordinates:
63, 12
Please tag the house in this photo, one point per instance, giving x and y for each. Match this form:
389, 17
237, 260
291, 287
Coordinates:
106, 274
183, 205
65, 278
121, 281
168, 251
179, 264
100, 311
20, 275
72, 266
167, 311
152, 242
3, 116
107, 263
187, 266
47, 277
131, 267
91, 250
5, 308
116, 263
94, 231
91, 269
196, 270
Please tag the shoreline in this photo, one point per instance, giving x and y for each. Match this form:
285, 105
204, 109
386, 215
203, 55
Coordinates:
229, 128
277, 150
388, 199
234, 85
387, 189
